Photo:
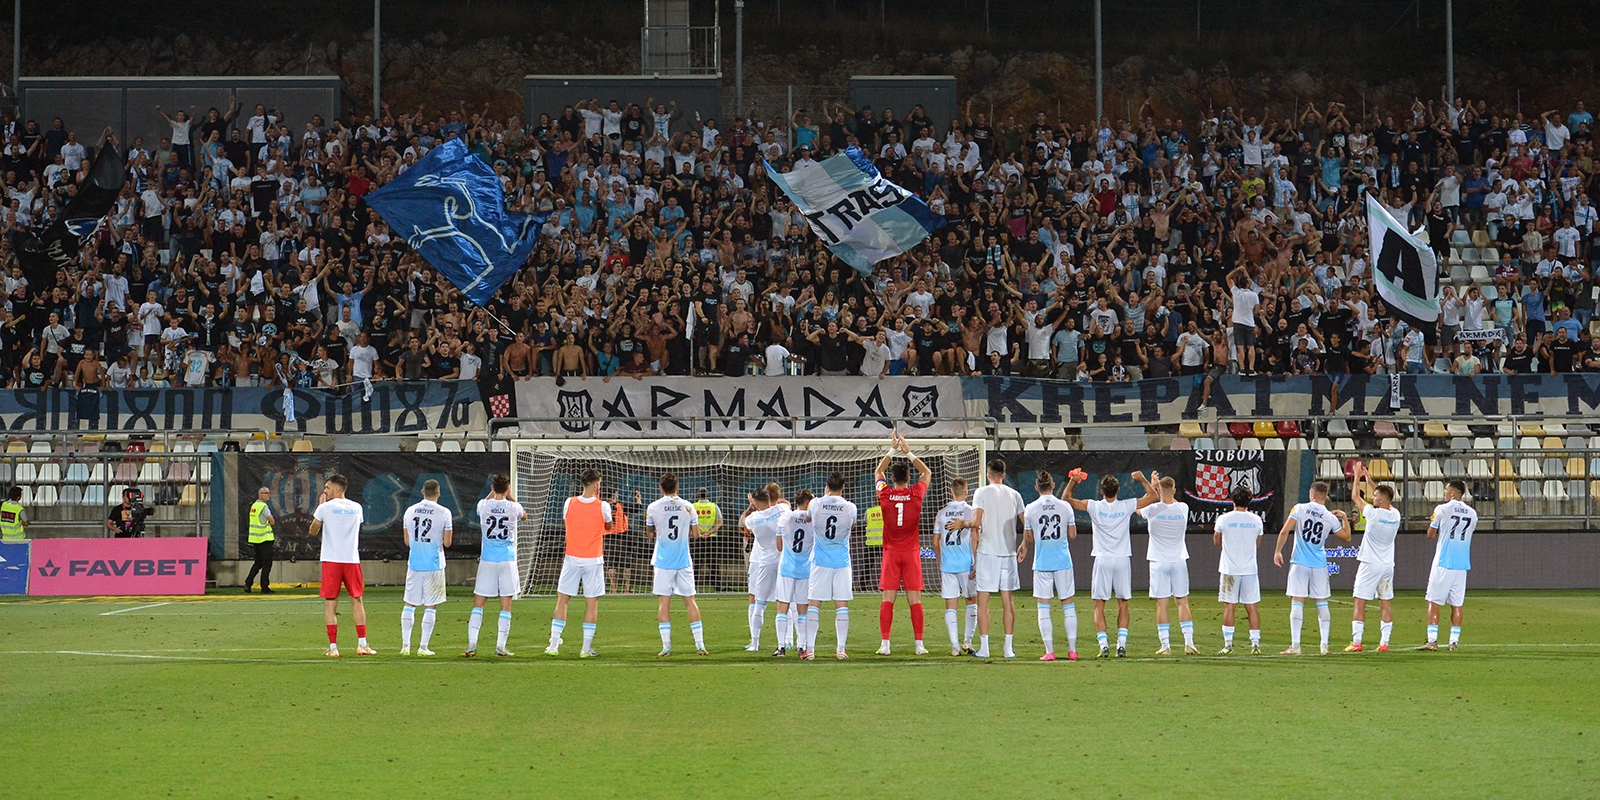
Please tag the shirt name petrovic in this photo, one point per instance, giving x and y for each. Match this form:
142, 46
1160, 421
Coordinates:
856, 206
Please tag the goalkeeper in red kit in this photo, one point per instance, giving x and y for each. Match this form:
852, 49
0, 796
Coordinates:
900, 500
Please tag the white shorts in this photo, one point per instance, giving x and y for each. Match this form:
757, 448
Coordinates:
1169, 579
424, 588
953, 585
794, 591
1447, 587
1054, 585
763, 579
670, 582
498, 579
591, 577
1307, 582
996, 573
830, 583
1374, 581
1244, 589
1112, 577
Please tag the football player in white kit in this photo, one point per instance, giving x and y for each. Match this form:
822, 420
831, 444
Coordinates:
1113, 551
428, 532
1375, 575
1238, 533
1453, 524
497, 565
761, 521
832, 519
672, 521
956, 550
1310, 523
795, 539
1168, 522
1053, 523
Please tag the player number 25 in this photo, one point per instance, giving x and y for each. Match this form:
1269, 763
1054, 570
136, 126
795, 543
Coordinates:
497, 528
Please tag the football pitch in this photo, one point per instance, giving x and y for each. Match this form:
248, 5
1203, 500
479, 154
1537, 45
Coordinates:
229, 696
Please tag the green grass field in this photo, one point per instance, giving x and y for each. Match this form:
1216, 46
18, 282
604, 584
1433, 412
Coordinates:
229, 696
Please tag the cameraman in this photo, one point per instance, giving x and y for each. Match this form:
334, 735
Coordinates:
127, 520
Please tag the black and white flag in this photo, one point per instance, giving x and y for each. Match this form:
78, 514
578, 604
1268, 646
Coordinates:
1404, 269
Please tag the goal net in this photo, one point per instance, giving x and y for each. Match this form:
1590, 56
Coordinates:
722, 472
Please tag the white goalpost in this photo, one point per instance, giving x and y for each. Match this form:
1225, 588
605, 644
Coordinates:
719, 471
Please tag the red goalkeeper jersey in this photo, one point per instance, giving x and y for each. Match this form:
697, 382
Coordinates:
902, 514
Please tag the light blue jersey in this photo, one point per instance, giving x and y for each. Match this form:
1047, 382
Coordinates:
425, 526
1051, 521
832, 517
1456, 521
499, 521
671, 518
955, 547
798, 539
1313, 524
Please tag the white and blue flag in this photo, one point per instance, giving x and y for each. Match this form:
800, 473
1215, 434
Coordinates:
449, 208
859, 214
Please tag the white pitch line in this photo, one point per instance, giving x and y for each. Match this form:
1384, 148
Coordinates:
135, 608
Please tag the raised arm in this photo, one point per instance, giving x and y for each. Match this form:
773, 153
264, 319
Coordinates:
1150, 493
1073, 479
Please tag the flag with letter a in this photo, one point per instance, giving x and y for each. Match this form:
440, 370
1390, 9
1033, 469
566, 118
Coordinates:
1404, 269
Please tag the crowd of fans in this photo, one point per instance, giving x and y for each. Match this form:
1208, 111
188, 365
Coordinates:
241, 252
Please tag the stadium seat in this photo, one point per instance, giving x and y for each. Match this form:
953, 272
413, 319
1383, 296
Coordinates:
1578, 493
205, 470
25, 472
1531, 491
206, 446
150, 472
1433, 491
1190, 430
1240, 430
1530, 430
179, 470
1056, 444
1272, 444
1575, 468
1530, 468
1398, 467
1322, 444
16, 446
1555, 495
1330, 469
449, 445
190, 492
1483, 443
1389, 444
1379, 469
27, 495
1505, 470
255, 446
302, 446
1344, 445
1459, 443
1508, 492
1478, 469
1428, 469
1528, 443
1338, 428
1385, 429
277, 446
474, 445
46, 496
71, 495
1033, 445
427, 446
114, 494
1297, 443
1288, 429
1030, 432
135, 446
1009, 445
1455, 467
1434, 430
77, 472
1550, 443
1350, 468
156, 446
1575, 443
1554, 468
94, 495
1250, 443
184, 446
1263, 429
1459, 273
40, 448
97, 472
1505, 443
1205, 443
1480, 274
1555, 429
1227, 443
499, 446
1180, 443
49, 472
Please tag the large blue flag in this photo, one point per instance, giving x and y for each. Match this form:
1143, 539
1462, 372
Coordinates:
450, 209
859, 214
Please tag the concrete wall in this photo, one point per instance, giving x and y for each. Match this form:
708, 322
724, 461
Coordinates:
549, 94
127, 104
936, 93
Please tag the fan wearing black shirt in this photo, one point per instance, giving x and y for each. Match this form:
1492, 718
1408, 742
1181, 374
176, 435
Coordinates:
1519, 360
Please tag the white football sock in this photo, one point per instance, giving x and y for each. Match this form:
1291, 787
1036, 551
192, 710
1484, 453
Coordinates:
665, 628
783, 629
1324, 620
1010, 653
1163, 634
1455, 634
502, 631
699, 635
950, 621
588, 635
1255, 637
758, 620
1297, 617
474, 622
1070, 612
1047, 628
1122, 637
1358, 629
971, 624
841, 625
813, 620
408, 620
1227, 636
1383, 632
556, 627
1188, 632
983, 645
427, 627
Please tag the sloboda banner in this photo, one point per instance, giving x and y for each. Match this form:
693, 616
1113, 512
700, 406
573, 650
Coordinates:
1204, 478
1212, 476
385, 484
678, 406
393, 408
1168, 401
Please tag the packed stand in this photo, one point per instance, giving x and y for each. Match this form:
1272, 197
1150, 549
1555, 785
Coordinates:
241, 252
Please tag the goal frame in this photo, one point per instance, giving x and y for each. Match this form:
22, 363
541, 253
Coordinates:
580, 444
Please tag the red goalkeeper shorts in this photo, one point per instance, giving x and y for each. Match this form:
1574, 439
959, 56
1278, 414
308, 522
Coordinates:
902, 569
334, 574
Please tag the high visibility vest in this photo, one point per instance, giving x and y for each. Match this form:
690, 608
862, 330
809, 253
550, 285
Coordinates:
260, 529
708, 514
875, 526
11, 521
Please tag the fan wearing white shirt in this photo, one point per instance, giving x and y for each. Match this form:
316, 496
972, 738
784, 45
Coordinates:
1375, 575
1113, 551
1168, 522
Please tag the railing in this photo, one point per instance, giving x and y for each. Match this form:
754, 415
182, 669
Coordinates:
680, 50
69, 494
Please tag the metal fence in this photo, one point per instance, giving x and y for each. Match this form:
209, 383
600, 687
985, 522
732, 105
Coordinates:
71, 494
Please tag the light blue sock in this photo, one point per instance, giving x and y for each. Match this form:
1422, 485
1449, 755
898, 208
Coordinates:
474, 623
666, 635
556, 627
1122, 637
1163, 633
588, 635
1188, 632
1433, 633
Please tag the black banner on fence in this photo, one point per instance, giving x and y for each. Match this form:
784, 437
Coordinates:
1213, 474
385, 484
